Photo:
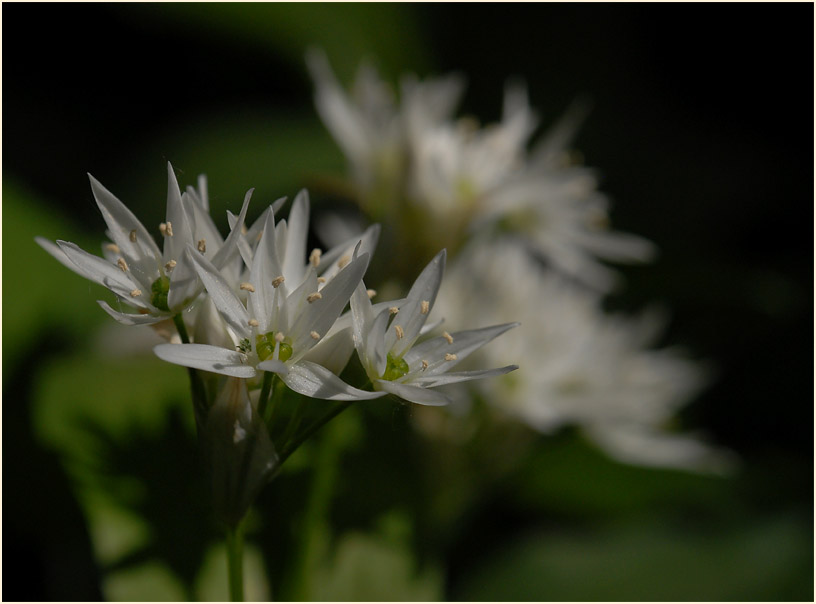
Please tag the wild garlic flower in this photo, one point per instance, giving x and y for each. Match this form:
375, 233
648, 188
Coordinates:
593, 370
473, 179
385, 338
285, 316
157, 283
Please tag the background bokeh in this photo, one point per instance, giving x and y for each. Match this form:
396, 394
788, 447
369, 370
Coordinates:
701, 127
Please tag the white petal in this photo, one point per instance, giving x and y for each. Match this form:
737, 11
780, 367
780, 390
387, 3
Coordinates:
414, 394
460, 376
333, 351
100, 271
184, 283
209, 358
464, 343
56, 252
222, 295
265, 267
179, 218
411, 318
230, 247
274, 366
131, 318
294, 258
318, 382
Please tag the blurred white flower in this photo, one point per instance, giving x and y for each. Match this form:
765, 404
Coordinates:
464, 178
157, 283
578, 365
385, 335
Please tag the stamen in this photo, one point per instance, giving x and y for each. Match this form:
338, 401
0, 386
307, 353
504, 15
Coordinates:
169, 229
314, 257
424, 364
424, 307
112, 247
163, 228
448, 337
135, 293
122, 264
279, 337
315, 335
243, 229
247, 287
202, 245
371, 293
133, 235
253, 322
277, 281
400, 332
450, 357
312, 297
170, 266
321, 280
393, 310
343, 261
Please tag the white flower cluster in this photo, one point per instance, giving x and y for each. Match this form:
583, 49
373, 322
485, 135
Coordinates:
528, 229
278, 308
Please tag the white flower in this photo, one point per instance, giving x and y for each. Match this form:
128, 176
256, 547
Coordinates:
158, 283
584, 367
385, 335
285, 316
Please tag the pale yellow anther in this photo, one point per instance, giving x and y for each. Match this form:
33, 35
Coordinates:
277, 281
247, 287
122, 264
371, 293
112, 247
424, 364
321, 280
315, 335
170, 265
314, 257
243, 229
135, 293
450, 357
133, 235
202, 245
393, 310
279, 337
448, 337
163, 228
169, 229
424, 307
400, 332
253, 322
343, 261
312, 297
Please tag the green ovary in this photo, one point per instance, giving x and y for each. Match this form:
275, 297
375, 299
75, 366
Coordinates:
265, 346
159, 291
395, 369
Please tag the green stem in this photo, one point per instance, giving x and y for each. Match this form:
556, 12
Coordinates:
265, 388
235, 555
290, 448
196, 384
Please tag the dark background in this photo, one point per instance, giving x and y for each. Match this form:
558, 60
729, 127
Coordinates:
702, 129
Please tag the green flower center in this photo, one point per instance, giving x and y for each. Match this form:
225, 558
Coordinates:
159, 291
395, 369
265, 346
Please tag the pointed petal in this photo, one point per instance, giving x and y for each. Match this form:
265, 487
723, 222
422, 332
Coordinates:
130, 318
414, 394
222, 295
332, 351
265, 268
460, 376
464, 343
318, 382
320, 314
100, 271
209, 358
294, 258
181, 221
368, 243
230, 247
411, 318
184, 283
56, 252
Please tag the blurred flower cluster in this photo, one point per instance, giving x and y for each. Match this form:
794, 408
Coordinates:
528, 231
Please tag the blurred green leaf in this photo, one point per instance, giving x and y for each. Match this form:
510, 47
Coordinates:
651, 561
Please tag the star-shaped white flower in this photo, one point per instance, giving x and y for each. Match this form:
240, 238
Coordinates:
385, 343
158, 283
280, 324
